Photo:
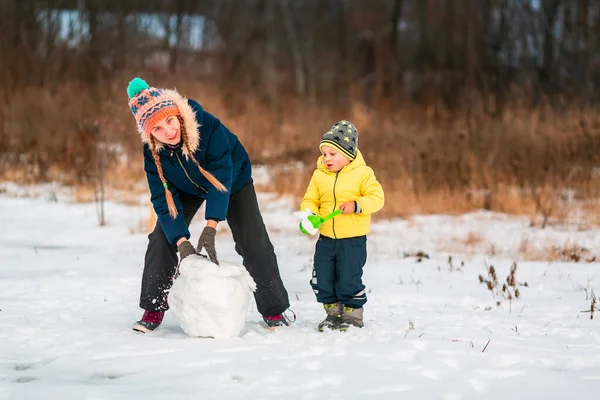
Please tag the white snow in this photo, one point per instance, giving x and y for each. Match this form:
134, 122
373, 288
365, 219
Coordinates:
210, 300
69, 292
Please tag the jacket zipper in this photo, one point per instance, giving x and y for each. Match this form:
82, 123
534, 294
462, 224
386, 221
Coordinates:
334, 204
186, 174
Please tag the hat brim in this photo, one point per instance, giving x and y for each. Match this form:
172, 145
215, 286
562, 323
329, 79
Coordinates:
331, 143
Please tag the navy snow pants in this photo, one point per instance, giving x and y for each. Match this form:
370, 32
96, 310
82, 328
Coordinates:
338, 269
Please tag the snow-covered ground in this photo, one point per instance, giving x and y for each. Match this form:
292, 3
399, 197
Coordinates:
69, 292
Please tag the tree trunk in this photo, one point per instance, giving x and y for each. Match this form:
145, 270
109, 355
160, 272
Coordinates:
471, 49
297, 62
392, 69
549, 15
93, 51
176, 32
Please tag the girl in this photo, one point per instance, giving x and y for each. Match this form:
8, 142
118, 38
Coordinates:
191, 157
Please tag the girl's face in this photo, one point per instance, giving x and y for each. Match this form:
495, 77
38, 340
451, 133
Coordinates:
167, 130
333, 159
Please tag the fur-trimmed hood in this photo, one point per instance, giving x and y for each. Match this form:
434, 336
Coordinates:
219, 152
190, 123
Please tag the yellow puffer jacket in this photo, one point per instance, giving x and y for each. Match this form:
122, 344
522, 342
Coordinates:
328, 190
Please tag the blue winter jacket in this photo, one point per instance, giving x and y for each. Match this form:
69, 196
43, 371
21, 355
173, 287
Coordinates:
216, 149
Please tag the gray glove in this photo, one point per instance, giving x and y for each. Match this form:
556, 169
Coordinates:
207, 240
185, 249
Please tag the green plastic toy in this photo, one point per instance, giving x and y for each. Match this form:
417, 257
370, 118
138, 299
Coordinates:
311, 223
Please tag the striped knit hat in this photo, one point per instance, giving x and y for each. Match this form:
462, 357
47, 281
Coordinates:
149, 105
343, 136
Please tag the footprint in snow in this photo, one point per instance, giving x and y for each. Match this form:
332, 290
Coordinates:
109, 376
25, 379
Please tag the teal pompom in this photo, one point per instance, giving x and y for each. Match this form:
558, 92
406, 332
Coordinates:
136, 86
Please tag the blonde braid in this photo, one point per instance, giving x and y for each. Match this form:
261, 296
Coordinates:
170, 202
210, 177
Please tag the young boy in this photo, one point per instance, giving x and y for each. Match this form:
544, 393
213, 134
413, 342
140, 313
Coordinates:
342, 181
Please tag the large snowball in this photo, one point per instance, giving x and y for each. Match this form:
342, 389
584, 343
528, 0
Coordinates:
210, 300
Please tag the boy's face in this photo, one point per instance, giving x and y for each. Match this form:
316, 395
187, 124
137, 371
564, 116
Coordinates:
167, 130
333, 159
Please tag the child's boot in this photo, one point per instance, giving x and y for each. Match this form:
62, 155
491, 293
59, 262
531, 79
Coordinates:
333, 319
351, 317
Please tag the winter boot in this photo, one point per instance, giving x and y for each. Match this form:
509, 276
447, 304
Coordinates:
351, 317
333, 319
149, 322
275, 321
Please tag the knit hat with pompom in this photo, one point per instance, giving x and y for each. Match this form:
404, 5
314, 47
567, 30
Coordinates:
149, 105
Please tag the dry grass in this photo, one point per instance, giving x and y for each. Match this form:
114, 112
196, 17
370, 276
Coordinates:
540, 163
524, 248
472, 240
472, 243
570, 253
567, 252
590, 214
